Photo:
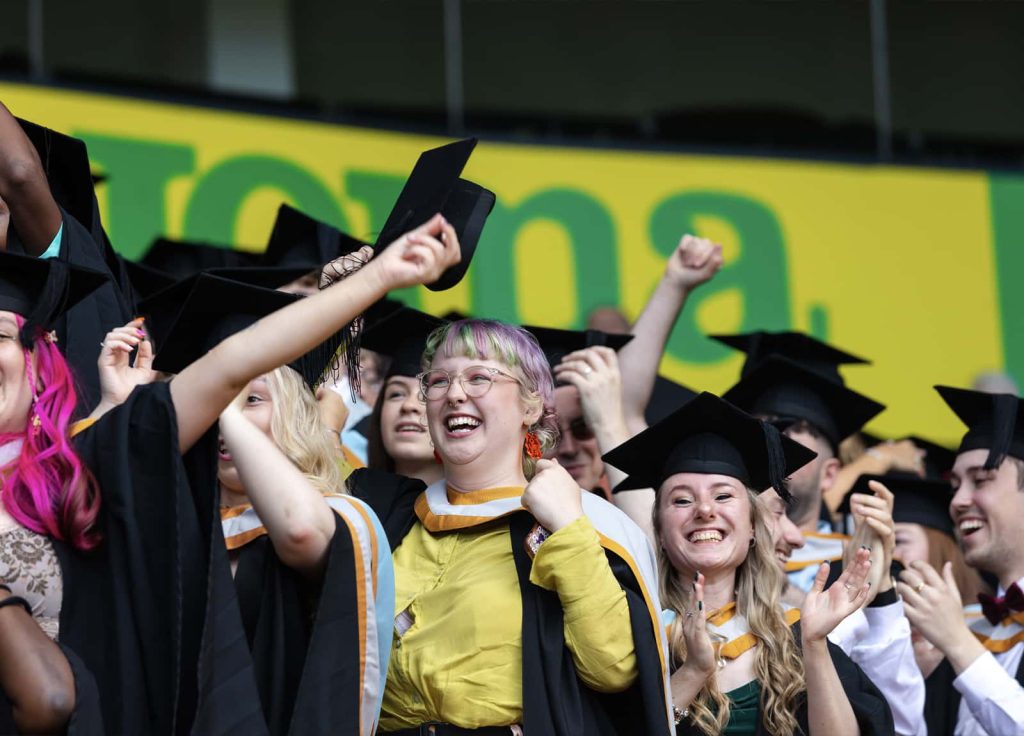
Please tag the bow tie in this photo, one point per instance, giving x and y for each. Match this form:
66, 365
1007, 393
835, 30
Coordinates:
997, 608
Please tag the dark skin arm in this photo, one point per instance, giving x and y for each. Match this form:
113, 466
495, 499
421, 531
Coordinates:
23, 187
34, 674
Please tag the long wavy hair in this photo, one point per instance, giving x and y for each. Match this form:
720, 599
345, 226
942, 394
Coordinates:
517, 349
299, 432
777, 663
47, 488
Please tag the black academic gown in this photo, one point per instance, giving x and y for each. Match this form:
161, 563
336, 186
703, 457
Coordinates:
83, 327
942, 700
555, 701
132, 608
278, 656
869, 705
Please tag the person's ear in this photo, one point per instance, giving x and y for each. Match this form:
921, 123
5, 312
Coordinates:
829, 472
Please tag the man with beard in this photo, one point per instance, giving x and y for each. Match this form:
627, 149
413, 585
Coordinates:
793, 380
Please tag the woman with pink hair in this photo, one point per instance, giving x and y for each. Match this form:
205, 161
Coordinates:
115, 524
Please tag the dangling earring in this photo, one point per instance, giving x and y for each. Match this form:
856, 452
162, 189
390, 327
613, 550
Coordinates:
437, 458
35, 422
532, 446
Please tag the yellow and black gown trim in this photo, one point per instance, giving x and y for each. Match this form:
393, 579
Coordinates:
491, 524
360, 568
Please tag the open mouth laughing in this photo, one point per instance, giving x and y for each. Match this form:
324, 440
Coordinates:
461, 425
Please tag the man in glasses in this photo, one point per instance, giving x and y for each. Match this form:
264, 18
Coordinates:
588, 400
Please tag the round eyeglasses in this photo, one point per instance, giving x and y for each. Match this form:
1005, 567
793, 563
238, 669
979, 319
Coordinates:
475, 381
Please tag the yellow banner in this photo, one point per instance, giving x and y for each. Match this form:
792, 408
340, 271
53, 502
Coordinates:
913, 268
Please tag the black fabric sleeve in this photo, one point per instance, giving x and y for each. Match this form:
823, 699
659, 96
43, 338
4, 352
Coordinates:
82, 328
392, 497
130, 605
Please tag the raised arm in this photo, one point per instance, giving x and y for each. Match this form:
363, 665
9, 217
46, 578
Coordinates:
34, 673
828, 707
298, 520
205, 388
694, 262
23, 187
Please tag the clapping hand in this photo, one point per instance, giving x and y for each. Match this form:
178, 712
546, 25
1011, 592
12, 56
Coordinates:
932, 603
874, 528
822, 609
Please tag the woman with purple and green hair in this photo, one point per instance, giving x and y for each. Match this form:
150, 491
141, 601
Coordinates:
521, 601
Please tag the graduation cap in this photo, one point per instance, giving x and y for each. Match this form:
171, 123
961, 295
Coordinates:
435, 186
146, 280
710, 435
938, 459
191, 317
269, 277
300, 241
181, 258
65, 161
401, 336
783, 389
995, 422
666, 397
806, 351
916, 500
557, 343
41, 290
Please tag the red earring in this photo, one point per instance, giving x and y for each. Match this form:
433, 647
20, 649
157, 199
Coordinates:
437, 457
532, 446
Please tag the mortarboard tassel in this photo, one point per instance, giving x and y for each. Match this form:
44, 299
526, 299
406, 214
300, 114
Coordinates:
776, 461
1004, 420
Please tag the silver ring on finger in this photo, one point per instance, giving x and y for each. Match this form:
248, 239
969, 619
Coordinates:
690, 614
847, 586
103, 345
586, 370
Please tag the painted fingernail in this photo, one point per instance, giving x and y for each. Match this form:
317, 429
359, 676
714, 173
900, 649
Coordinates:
694, 586
864, 546
700, 605
140, 333
696, 577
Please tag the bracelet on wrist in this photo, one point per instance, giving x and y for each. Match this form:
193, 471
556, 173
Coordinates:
16, 600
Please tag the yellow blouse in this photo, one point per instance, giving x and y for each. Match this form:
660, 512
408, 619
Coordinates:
457, 651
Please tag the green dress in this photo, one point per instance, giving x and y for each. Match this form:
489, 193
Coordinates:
744, 703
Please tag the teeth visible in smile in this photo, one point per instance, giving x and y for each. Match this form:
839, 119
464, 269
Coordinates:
462, 423
706, 535
971, 525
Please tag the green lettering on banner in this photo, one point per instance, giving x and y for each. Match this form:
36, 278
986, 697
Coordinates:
759, 273
136, 195
1007, 197
217, 199
590, 230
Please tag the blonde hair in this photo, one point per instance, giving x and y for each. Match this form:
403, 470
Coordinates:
299, 432
777, 663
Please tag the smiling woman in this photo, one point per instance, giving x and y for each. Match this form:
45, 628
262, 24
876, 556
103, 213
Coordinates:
737, 663
520, 599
